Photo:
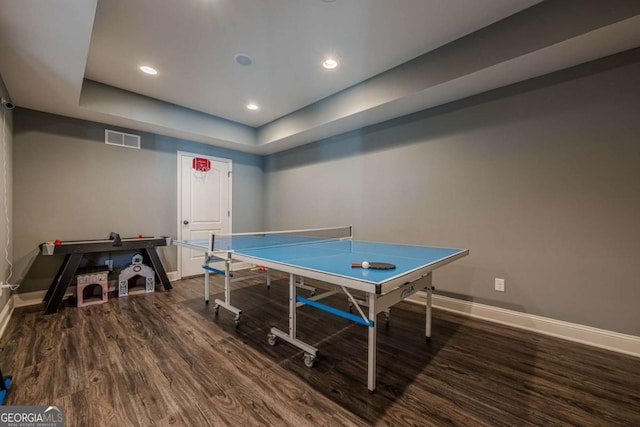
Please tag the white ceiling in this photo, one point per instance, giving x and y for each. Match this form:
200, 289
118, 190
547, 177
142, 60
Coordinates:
80, 58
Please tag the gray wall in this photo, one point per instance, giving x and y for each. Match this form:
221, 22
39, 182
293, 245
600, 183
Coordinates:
540, 180
6, 158
69, 185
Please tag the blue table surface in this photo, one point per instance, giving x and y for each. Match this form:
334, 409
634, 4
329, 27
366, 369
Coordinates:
334, 256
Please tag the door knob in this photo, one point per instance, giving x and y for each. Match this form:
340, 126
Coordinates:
185, 222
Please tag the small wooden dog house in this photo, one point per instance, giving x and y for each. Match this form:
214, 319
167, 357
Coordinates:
136, 269
92, 288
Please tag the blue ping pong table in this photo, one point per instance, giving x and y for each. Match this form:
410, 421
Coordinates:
311, 254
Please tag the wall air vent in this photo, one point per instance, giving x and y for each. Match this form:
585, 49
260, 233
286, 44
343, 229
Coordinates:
121, 139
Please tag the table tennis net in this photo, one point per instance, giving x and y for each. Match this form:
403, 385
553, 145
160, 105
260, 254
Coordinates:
258, 240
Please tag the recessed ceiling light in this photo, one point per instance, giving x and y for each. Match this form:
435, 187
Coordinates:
243, 59
252, 106
148, 70
330, 64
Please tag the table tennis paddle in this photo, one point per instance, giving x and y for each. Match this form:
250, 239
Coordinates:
375, 265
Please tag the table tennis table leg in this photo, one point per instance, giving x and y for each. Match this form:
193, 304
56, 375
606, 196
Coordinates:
429, 288
227, 293
371, 347
206, 282
310, 351
227, 280
301, 285
293, 324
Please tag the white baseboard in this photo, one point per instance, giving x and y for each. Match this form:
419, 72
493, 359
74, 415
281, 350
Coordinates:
237, 266
5, 315
621, 343
33, 298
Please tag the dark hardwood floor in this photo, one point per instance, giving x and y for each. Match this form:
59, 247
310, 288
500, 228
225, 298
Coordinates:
165, 359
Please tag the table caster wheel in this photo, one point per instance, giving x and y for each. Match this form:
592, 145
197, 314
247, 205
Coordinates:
216, 309
350, 308
272, 339
309, 360
237, 320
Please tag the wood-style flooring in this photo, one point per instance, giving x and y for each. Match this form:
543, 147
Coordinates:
166, 359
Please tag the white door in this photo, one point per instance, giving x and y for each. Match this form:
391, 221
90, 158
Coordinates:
204, 206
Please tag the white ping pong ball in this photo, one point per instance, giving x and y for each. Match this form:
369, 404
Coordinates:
365, 264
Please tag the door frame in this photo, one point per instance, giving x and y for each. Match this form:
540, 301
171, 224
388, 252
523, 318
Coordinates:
179, 155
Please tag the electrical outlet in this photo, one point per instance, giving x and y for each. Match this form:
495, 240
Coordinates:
7, 286
499, 285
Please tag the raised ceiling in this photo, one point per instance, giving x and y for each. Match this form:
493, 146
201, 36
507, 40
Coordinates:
80, 58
